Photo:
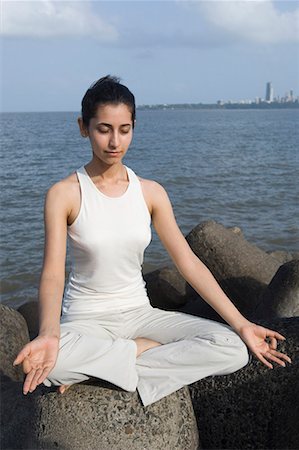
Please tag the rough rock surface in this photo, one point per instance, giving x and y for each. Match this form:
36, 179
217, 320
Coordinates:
242, 269
167, 289
93, 417
13, 336
29, 311
283, 256
255, 407
281, 298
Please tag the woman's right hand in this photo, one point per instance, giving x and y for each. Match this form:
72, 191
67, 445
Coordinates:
38, 358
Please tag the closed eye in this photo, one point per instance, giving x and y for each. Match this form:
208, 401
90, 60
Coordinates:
103, 130
125, 130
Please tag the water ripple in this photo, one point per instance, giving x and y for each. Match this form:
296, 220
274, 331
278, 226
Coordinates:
237, 167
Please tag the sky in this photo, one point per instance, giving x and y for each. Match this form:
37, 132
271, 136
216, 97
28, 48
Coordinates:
167, 51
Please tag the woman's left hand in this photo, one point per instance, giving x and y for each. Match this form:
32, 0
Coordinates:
263, 344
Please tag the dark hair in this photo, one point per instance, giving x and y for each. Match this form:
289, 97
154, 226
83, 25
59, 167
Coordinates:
105, 91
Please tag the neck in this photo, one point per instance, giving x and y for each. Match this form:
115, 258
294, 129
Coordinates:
97, 169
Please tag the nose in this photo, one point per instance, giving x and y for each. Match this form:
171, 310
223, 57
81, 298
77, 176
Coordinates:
114, 139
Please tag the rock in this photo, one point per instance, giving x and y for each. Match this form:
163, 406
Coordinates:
167, 289
13, 336
198, 307
18, 416
255, 407
281, 256
281, 298
236, 230
242, 269
92, 417
29, 311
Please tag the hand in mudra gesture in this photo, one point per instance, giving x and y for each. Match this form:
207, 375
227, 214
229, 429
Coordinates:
38, 358
263, 344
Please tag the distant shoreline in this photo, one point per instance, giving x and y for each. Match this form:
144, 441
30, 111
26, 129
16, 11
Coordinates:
263, 105
189, 106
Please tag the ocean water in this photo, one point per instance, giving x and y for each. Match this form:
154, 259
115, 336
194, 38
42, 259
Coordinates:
238, 167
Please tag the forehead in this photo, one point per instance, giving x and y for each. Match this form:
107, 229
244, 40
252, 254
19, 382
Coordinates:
111, 113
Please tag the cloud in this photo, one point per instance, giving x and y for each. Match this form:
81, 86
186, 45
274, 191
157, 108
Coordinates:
50, 18
249, 20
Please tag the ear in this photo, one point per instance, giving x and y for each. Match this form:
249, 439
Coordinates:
82, 127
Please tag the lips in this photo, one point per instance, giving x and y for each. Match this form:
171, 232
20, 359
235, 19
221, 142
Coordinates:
113, 153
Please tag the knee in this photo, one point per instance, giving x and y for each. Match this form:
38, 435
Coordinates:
232, 348
62, 374
64, 370
237, 352
57, 376
240, 355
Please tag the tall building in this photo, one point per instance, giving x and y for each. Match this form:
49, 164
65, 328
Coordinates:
269, 92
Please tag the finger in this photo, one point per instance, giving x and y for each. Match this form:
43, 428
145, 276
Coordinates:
273, 343
275, 334
21, 356
281, 355
34, 381
27, 367
28, 381
264, 361
44, 375
274, 358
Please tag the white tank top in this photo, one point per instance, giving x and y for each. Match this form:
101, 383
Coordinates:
107, 241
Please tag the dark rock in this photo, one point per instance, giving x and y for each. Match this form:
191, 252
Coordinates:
198, 307
13, 336
29, 311
167, 289
242, 269
18, 417
281, 298
92, 417
255, 407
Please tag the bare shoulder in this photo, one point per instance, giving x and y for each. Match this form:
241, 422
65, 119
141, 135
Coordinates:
66, 187
152, 187
154, 193
64, 197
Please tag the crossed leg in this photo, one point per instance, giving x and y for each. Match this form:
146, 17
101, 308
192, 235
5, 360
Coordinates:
143, 344
193, 348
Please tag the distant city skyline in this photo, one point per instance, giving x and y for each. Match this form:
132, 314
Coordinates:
270, 97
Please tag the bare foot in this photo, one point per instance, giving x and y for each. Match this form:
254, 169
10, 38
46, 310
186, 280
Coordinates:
63, 388
144, 344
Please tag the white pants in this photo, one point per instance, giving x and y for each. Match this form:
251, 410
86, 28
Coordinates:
103, 347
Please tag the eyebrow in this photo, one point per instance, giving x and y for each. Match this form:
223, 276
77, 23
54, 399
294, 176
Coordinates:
110, 126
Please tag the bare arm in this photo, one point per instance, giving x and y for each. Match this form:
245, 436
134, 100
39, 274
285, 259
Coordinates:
53, 271
39, 356
202, 280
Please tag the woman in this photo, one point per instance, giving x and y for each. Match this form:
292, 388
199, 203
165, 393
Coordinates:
107, 328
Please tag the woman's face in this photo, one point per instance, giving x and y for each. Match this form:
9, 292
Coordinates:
110, 132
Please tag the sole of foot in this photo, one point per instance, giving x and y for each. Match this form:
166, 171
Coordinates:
62, 389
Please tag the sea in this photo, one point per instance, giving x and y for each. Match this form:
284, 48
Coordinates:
237, 167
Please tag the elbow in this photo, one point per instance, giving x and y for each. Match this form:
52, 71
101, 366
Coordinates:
50, 273
51, 281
